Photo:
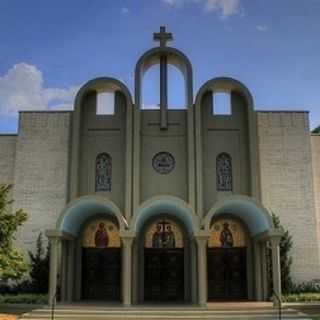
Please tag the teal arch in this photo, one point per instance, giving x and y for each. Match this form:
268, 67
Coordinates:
82, 209
252, 213
170, 206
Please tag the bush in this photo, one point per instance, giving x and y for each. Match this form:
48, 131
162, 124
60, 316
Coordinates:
306, 287
24, 298
285, 258
39, 268
302, 297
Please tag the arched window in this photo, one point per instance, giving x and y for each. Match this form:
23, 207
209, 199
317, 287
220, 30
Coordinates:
224, 172
103, 172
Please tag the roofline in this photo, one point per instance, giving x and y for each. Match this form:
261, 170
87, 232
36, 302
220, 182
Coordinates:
45, 111
283, 111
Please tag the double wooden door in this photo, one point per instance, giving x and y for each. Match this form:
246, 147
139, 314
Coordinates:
101, 269
227, 273
163, 274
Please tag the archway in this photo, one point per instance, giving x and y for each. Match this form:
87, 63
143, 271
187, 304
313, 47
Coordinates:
227, 259
91, 250
181, 215
100, 260
248, 247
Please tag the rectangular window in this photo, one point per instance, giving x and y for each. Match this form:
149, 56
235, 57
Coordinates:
105, 103
221, 103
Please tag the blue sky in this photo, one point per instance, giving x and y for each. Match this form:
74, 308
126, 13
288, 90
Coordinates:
49, 48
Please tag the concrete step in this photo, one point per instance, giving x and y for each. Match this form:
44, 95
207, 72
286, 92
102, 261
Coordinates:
161, 313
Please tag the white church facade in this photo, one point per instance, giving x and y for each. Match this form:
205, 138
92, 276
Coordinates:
166, 205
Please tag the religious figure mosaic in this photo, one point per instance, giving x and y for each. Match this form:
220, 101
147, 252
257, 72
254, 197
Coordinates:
103, 172
164, 234
224, 172
227, 233
163, 162
101, 233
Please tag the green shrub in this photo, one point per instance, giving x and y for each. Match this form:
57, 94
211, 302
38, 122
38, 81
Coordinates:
302, 297
306, 287
39, 273
24, 298
285, 258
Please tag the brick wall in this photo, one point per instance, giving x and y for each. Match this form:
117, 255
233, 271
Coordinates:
287, 184
7, 155
41, 171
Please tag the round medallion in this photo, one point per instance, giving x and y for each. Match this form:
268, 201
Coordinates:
163, 162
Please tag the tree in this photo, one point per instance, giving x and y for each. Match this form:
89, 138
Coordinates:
12, 262
316, 130
285, 258
39, 267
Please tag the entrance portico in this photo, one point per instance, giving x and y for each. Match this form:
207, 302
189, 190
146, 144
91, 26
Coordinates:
177, 267
260, 230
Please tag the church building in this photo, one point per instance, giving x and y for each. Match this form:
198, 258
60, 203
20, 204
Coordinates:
166, 205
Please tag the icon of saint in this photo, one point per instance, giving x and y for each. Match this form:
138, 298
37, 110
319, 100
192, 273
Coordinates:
169, 238
101, 238
226, 238
157, 237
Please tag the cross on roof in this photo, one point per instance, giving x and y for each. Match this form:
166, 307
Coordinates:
163, 37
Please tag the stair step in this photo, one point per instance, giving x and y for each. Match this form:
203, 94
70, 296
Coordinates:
152, 313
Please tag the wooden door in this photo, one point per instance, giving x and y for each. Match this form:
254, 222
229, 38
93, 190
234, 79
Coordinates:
227, 273
101, 269
163, 274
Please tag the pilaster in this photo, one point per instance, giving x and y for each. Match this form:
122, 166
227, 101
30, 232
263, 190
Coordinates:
201, 239
127, 241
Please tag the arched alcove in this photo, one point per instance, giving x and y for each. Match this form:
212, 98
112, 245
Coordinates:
233, 133
105, 131
173, 57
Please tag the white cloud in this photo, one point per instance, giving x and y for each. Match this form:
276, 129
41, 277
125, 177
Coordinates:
224, 7
262, 28
124, 10
21, 88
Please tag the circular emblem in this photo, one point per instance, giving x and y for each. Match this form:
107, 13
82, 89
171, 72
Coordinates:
163, 162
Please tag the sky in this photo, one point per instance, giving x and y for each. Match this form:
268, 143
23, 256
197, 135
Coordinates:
48, 49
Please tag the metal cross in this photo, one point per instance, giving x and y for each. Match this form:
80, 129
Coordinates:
163, 37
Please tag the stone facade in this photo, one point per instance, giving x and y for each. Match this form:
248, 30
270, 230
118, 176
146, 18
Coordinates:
41, 171
52, 163
7, 158
315, 148
287, 184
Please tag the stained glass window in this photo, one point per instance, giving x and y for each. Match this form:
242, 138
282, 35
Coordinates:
103, 172
224, 172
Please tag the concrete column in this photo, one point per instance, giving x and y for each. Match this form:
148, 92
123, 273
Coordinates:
163, 92
53, 271
202, 240
126, 274
64, 270
264, 271
276, 271
257, 271
70, 279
